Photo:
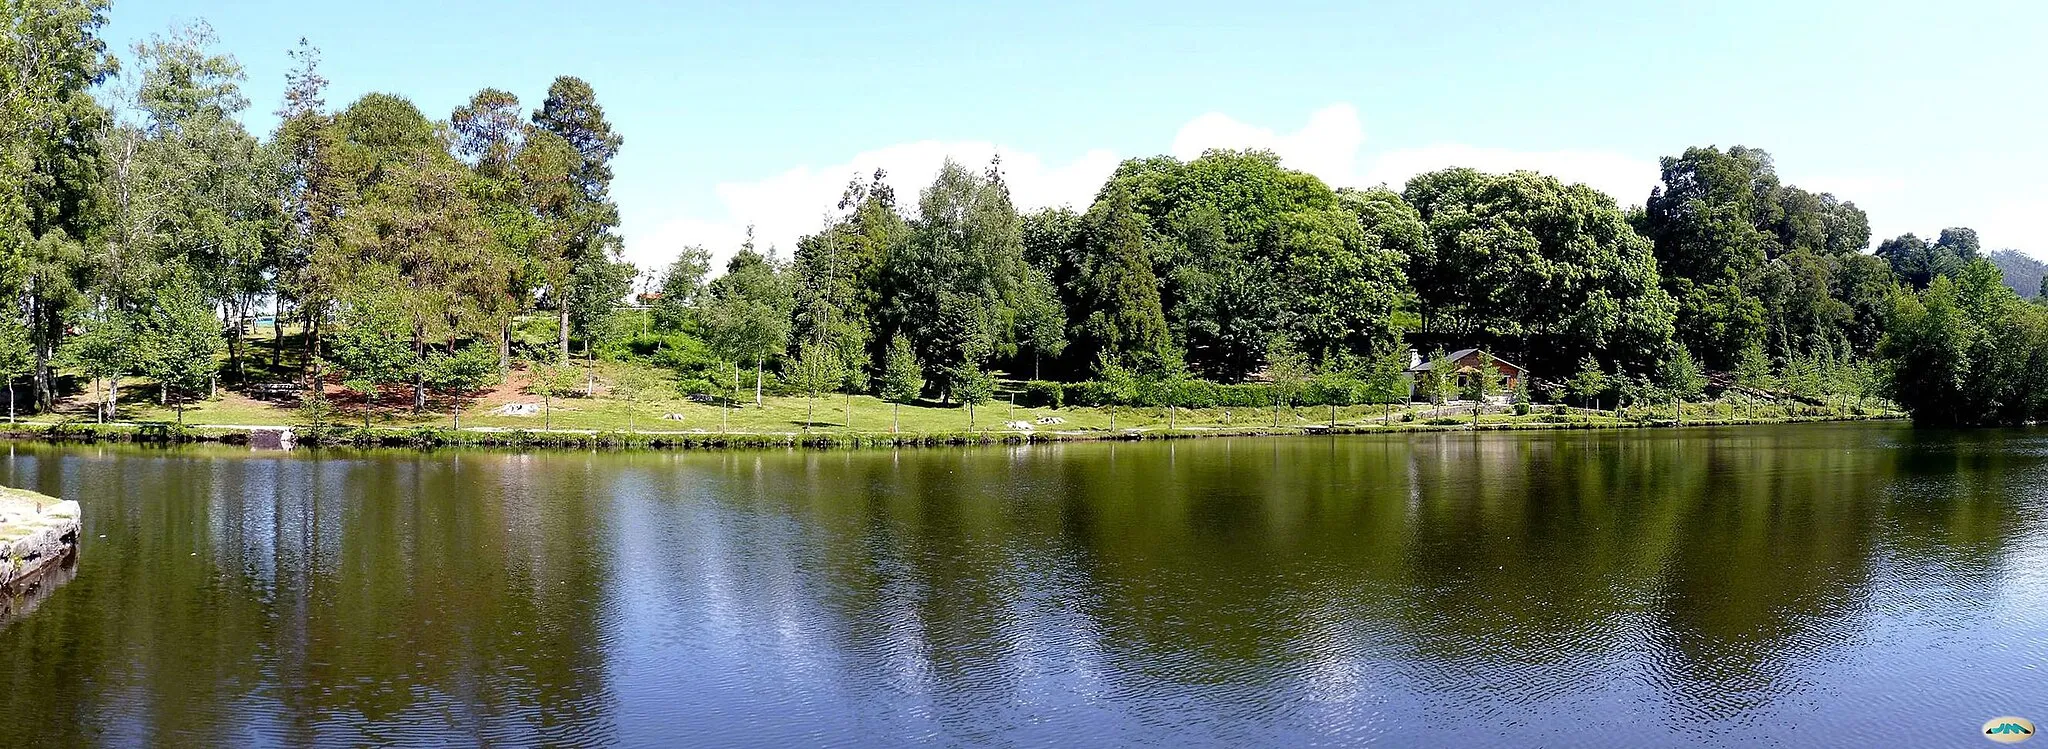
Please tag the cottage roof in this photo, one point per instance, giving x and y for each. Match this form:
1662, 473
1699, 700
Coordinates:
1459, 354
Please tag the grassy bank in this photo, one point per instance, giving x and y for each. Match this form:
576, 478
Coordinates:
1134, 424
611, 415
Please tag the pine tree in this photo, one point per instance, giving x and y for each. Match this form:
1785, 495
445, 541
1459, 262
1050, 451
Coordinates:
571, 113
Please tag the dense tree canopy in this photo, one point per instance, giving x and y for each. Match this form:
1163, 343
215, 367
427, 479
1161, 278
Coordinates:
1543, 271
1969, 351
1744, 256
1919, 262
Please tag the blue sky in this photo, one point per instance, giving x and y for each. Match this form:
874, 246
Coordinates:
1926, 114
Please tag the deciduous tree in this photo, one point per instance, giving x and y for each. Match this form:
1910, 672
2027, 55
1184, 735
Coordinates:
902, 379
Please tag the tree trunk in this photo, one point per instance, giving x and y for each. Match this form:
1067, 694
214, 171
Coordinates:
419, 379
114, 398
505, 345
45, 397
896, 419
760, 363
277, 335
44, 394
562, 327
812, 413
312, 342
849, 410
234, 324
10, 401
547, 409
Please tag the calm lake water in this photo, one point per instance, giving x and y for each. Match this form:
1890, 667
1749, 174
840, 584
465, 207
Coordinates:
1821, 585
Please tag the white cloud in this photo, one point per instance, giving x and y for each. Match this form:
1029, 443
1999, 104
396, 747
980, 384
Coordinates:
1326, 147
786, 206
2020, 224
1851, 188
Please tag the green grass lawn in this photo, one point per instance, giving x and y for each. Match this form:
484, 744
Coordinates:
828, 413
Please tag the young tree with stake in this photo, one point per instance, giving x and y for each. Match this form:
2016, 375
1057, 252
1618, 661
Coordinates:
1588, 383
1683, 381
1483, 384
1169, 382
1386, 384
1287, 369
817, 370
902, 379
1439, 381
17, 358
1753, 374
551, 381
1119, 384
183, 340
469, 369
105, 351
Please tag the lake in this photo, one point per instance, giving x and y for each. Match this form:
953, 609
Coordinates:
1806, 585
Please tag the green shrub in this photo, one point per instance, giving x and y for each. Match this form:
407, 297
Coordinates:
1089, 393
1521, 409
1192, 394
1043, 394
1445, 421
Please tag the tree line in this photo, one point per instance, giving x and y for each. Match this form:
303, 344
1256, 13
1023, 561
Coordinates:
141, 224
